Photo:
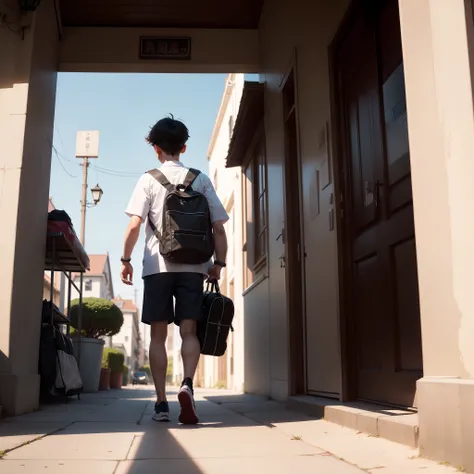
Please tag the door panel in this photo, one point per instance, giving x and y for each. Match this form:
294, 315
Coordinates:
379, 212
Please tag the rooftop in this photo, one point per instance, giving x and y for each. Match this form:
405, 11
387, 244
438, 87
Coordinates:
125, 305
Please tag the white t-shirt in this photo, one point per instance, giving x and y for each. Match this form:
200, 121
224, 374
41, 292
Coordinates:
148, 198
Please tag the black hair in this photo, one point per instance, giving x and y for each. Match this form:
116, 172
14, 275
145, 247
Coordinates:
169, 134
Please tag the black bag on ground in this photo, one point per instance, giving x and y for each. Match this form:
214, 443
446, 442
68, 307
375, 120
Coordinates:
216, 321
186, 234
58, 369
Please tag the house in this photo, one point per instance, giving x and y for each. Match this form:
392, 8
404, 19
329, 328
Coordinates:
355, 146
129, 337
228, 371
97, 282
47, 290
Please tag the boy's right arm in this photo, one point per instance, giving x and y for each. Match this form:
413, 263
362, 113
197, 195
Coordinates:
220, 245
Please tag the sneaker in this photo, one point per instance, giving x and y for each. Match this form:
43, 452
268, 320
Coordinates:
188, 414
162, 412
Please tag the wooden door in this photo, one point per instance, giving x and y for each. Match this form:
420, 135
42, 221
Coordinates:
383, 309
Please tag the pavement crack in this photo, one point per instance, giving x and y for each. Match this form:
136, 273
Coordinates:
31, 441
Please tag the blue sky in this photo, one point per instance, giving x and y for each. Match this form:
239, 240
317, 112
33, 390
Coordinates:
123, 107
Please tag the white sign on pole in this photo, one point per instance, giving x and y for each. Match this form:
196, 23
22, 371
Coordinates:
87, 144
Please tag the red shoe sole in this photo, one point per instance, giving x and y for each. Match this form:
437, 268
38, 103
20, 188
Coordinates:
188, 414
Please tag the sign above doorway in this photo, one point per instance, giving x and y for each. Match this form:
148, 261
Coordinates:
165, 47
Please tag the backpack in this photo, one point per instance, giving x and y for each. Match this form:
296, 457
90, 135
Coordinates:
186, 235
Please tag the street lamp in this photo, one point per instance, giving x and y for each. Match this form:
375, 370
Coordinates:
96, 194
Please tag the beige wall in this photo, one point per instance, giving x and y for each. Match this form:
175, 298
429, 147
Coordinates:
27, 100
436, 38
116, 50
303, 31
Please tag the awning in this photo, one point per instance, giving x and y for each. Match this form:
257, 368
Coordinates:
248, 120
244, 14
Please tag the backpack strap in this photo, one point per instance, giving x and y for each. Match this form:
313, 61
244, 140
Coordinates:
190, 177
162, 179
154, 229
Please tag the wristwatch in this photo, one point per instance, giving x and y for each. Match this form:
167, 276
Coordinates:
125, 260
220, 264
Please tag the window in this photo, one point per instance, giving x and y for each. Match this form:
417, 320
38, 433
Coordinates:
256, 208
88, 285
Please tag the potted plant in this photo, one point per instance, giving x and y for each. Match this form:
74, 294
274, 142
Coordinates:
104, 383
125, 376
100, 318
116, 359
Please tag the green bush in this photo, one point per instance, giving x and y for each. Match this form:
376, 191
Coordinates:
100, 317
169, 370
113, 359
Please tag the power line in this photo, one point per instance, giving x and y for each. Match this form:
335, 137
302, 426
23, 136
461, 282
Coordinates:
61, 163
116, 171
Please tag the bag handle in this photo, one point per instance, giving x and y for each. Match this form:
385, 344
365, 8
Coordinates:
213, 286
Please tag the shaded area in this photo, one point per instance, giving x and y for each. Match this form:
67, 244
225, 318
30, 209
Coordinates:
112, 433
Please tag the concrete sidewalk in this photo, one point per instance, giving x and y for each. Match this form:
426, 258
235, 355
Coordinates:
112, 433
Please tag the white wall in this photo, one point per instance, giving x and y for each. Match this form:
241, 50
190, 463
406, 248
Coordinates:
228, 183
301, 30
128, 337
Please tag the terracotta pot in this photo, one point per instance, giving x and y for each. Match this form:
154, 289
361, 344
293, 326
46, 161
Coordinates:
116, 378
104, 381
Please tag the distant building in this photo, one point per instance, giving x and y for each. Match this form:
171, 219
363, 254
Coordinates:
228, 371
97, 282
47, 290
129, 337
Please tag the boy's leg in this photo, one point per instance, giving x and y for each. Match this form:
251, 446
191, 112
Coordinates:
189, 294
158, 312
159, 358
190, 348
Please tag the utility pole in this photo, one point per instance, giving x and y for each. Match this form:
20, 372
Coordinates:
87, 146
85, 166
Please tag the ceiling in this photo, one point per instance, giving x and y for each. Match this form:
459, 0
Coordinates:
238, 14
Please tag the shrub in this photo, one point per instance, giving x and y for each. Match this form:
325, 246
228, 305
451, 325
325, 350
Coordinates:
100, 317
113, 359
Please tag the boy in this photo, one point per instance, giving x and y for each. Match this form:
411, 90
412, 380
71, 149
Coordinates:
164, 279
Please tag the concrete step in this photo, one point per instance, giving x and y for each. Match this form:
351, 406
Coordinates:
400, 426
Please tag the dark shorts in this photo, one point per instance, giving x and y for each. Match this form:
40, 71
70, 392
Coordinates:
186, 288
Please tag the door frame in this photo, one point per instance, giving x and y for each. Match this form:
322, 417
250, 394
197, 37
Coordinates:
297, 356
342, 188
